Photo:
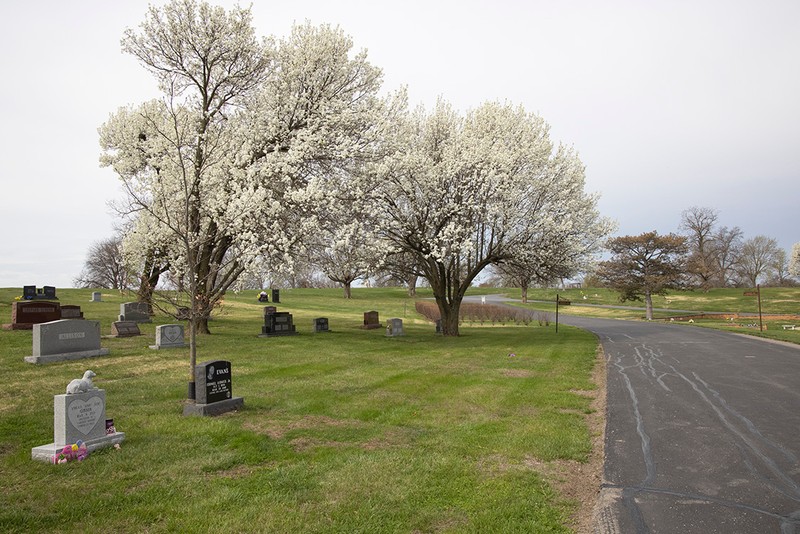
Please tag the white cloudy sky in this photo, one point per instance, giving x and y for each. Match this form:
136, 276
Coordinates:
670, 104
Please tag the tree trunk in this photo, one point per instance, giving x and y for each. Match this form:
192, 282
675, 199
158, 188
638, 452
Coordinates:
202, 325
412, 286
648, 302
449, 315
347, 293
192, 356
524, 294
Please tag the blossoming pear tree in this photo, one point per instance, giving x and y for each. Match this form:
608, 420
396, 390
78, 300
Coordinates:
463, 192
794, 262
230, 163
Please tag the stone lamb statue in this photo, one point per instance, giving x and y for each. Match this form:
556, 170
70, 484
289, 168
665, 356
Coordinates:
81, 385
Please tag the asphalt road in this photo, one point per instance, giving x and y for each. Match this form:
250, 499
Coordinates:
702, 432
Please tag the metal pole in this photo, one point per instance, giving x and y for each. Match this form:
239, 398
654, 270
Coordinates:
760, 322
556, 313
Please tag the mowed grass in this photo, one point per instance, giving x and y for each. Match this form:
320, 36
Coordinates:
349, 431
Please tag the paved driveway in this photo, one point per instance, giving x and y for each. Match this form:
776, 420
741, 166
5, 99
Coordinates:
703, 430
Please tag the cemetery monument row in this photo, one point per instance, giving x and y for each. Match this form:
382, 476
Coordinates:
78, 415
44, 293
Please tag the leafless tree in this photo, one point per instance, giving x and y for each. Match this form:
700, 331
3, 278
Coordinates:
758, 254
699, 223
727, 244
105, 266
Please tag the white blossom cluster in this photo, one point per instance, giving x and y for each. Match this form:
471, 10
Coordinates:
261, 151
487, 187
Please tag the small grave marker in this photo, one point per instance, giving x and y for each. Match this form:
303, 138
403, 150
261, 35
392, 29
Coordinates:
321, 325
371, 320
125, 329
169, 336
276, 296
71, 311
96, 296
394, 327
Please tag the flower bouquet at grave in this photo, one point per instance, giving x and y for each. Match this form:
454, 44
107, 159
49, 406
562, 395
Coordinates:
70, 453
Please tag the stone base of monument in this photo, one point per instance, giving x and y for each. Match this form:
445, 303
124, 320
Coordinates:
49, 358
78, 416
214, 408
45, 453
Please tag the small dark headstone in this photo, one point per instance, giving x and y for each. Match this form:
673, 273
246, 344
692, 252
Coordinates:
269, 309
71, 311
371, 320
321, 324
125, 329
29, 292
438, 326
276, 295
182, 313
278, 324
50, 293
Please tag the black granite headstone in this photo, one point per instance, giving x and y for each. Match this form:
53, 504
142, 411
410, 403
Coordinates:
213, 381
276, 295
50, 292
278, 324
28, 292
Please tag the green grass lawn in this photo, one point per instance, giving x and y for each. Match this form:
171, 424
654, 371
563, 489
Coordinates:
349, 431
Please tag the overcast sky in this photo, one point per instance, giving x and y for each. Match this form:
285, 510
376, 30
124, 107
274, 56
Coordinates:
670, 104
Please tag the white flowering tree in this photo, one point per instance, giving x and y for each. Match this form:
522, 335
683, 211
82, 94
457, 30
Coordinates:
230, 164
465, 192
794, 261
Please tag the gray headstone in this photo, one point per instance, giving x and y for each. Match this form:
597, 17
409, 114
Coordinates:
169, 336
321, 324
394, 327
134, 311
78, 416
65, 339
96, 296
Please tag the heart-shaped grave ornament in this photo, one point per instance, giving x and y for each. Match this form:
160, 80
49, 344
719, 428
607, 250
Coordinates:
84, 415
171, 334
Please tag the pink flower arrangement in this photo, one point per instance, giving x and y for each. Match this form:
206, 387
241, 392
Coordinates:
70, 453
